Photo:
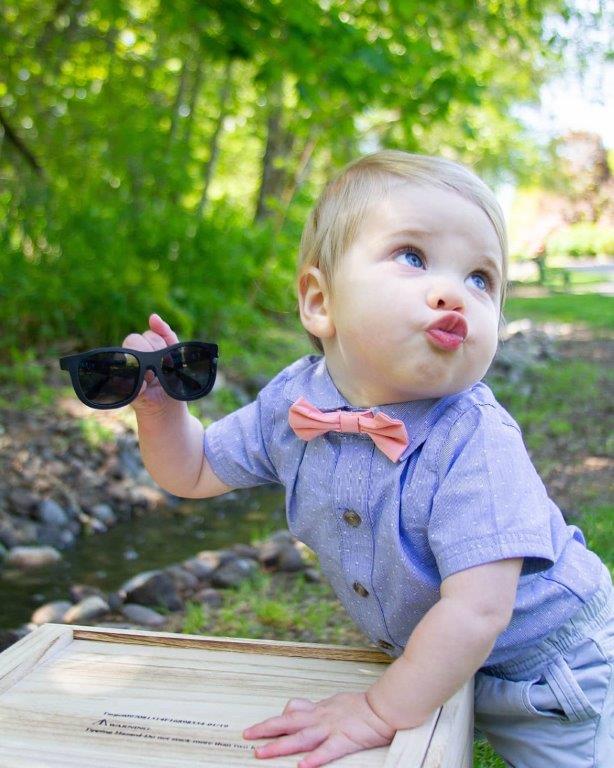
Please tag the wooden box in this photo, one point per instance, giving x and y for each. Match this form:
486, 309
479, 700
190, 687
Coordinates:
110, 698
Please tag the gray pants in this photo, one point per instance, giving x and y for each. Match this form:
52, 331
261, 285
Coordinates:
554, 707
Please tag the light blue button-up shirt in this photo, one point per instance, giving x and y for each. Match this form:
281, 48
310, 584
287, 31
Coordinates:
464, 493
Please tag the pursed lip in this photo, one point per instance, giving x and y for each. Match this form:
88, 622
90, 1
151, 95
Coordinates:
448, 331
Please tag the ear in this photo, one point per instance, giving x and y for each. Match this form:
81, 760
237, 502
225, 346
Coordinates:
314, 304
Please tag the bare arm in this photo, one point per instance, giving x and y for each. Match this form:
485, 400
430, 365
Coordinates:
170, 438
171, 443
449, 645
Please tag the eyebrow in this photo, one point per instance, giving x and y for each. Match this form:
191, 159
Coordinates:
493, 263
415, 232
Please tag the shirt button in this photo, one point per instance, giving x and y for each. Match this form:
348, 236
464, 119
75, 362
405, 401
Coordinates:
352, 518
385, 645
358, 587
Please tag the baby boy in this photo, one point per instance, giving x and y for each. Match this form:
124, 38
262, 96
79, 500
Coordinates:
408, 479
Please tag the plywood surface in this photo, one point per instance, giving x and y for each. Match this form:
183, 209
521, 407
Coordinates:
81, 697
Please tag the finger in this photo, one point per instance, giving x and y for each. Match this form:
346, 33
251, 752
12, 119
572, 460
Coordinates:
155, 340
303, 741
137, 341
279, 726
332, 748
162, 328
299, 705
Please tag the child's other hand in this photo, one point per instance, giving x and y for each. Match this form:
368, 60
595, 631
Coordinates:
328, 730
152, 398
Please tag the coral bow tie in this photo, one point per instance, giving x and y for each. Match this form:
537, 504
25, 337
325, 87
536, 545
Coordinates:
389, 435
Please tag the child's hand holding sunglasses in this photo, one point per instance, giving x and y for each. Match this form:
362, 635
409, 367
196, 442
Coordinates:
148, 370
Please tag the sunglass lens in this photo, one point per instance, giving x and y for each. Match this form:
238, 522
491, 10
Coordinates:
108, 378
187, 370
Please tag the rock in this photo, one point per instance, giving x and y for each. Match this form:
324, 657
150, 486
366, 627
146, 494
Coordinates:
246, 550
104, 513
205, 562
51, 513
312, 575
152, 588
79, 592
129, 458
281, 555
115, 601
23, 501
10, 636
88, 609
15, 532
201, 569
32, 557
94, 525
51, 612
51, 536
209, 596
182, 578
139, 614
233, 572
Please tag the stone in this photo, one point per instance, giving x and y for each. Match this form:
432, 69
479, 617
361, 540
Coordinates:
199, 568
104, 513
246, 550
205, 562
51, 513
51, 613
87, 610
23, 501
79, 592
152, 588
15, 532
312, 575
52, 536
233, 572
139, 614
94, 525
32, 557
281, 555
182, 578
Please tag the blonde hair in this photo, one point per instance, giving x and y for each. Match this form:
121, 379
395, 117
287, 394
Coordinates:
335, 220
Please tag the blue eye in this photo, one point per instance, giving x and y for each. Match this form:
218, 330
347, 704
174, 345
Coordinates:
480, 281
410, 257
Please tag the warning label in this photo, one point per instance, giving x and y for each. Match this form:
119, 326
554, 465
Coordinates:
155, 729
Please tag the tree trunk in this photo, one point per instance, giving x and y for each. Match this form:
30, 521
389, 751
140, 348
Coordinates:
209, 166
183, 79
196, 86
279, 144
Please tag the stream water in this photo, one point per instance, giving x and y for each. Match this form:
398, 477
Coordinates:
152, 541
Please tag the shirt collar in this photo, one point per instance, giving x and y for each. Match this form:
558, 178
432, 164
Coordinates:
313, 382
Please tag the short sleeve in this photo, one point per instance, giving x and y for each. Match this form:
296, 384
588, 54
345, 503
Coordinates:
490, 503
238, 446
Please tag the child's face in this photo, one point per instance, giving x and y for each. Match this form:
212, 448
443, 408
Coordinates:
413, 309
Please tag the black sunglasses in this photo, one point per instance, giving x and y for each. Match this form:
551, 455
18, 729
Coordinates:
111, 377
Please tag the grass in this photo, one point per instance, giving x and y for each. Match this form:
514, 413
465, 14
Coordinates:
590, 309
277, 607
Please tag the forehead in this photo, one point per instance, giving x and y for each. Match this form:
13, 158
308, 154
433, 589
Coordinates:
407, 208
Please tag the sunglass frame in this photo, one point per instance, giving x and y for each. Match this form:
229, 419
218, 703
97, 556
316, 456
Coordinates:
148, 361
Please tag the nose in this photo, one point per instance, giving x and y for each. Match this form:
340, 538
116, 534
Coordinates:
445, 294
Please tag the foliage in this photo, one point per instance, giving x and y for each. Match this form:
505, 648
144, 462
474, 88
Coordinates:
581, 240
142, 141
